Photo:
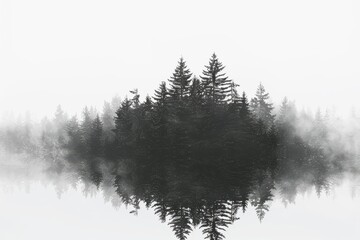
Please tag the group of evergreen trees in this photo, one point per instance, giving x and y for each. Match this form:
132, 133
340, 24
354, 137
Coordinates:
197, 151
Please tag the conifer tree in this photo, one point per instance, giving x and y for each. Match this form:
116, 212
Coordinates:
148, 106
180, 81
124, 123
74, 134
115, 103
244, 108
107, 119
262, 194
147, 117
86, 127
234, 95
161, 96
160, 116
261, 108
60, 118
180, 221
60, 121
217, 218
96, 137
161, 209
217, 86
233, 105
196, 93
286, 120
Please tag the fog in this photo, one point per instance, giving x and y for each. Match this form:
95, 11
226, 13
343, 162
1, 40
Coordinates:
77, 53
181, 120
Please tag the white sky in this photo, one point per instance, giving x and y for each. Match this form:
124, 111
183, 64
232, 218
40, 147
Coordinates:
78, 52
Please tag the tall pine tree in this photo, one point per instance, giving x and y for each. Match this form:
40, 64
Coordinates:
180, 81
217, 86
261, 108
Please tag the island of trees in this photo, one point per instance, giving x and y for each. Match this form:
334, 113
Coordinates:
197, 151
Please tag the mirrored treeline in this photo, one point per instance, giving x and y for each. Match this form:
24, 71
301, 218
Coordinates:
197, 152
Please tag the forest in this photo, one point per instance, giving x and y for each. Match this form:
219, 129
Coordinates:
197, 151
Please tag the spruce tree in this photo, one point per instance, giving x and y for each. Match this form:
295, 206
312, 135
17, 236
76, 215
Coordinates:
261, 108
147, 109
160, 116
234, 98
74, 143
60, 118
96, 137
161, 96
124, 123
234, 95
180, 221
217, 86
196, 93
60, 121
244, 108
107, 118
86, 127
217, 217
148, 106
180, 81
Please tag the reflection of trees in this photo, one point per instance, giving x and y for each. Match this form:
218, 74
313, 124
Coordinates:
196, 152
261, 194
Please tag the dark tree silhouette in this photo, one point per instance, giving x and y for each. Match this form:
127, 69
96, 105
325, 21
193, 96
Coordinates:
196, 152
180, 81
217, 86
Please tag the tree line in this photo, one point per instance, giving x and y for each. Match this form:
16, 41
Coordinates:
197, 151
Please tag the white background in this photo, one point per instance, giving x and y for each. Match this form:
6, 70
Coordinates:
40, 215
77, 52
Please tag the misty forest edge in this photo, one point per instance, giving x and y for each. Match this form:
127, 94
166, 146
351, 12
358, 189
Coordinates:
196, 152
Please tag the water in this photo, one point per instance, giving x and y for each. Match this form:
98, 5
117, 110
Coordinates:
32, 210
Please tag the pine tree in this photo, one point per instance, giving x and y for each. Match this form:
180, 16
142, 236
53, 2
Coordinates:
147, 112
74, 134
160, 116
196, 107
216, 218
244, 108
283, 113
286, 120
262, 194
180, 221
196, 93
234, 95
233, 106
124, 123
161, 96
115, 103
60, 118
86, 127
180, 81
148, 106
261, 108
217, 86
60, 121
161, 209
137, 115
96, 137
161, 107
107, 119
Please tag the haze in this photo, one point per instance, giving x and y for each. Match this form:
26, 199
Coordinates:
77, 53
